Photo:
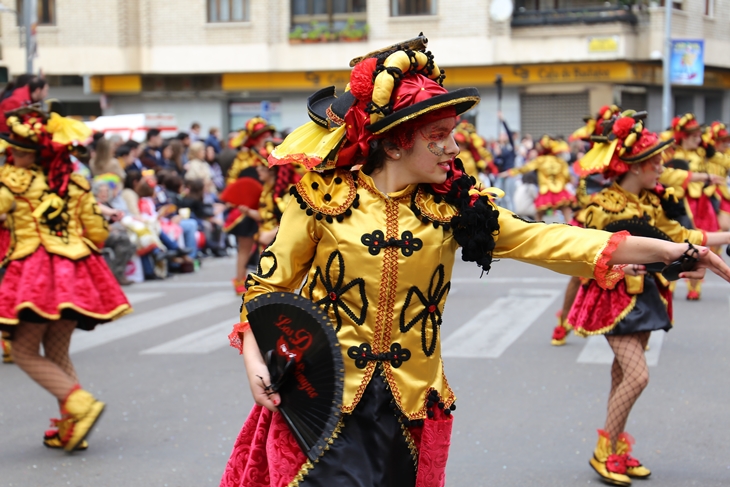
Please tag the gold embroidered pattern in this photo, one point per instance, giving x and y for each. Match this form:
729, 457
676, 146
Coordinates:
17, 179
308, 465
426, 203
611, 201
304, 190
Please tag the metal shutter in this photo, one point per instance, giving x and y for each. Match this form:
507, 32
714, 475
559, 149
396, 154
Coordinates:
633, 101
555, 115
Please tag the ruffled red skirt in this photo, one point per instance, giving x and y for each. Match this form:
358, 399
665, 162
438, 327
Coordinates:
703, 213
553, 201
49, 287
266, 454
598, 311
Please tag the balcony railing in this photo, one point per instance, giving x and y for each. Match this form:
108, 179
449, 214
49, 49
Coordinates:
584, 15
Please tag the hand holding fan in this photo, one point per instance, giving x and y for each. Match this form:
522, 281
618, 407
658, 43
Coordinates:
243, 192
304, 359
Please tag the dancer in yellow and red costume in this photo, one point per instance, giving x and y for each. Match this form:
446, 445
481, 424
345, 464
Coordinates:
553, 176
377, 246
56, 279
641, 302
716, 141
700, 194
252, 142
474, 154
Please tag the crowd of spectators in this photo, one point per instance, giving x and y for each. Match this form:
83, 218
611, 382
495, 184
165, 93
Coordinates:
160, 198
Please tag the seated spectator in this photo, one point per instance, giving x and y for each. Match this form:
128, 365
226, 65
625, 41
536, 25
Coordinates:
103, 162
214, 139
118, 248
151, 156
207, 216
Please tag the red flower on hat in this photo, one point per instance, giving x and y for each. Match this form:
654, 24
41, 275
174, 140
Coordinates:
622, 127
361, 79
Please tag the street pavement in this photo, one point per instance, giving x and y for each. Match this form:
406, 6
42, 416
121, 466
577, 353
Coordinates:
527, 412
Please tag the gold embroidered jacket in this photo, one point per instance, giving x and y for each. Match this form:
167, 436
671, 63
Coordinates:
616, 209
381, 266
697, 163
719, 164
245, 159
677, 179
553, 173
22, 191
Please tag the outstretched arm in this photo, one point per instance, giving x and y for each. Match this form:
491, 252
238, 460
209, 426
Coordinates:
640, 250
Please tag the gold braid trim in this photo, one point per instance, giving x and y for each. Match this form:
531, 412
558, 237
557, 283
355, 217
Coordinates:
432, 108
411, 444
303, 188
118, 312
602, 331
308, 465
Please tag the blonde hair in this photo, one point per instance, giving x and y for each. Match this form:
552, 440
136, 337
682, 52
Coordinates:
196, 148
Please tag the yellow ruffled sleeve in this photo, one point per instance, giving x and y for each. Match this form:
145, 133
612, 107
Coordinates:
95, 226
561, 248
283, 265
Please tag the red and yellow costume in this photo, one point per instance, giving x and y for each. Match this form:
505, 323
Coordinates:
639, 303
55, 269
476, 158
380, 265
719, 163
553, 175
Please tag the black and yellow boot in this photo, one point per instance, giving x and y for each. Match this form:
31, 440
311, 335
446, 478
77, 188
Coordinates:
80, 411
52, 439
7, 349
561, 331
607, 463
634, 468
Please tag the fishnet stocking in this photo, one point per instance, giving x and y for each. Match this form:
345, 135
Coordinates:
54, 371
629, 377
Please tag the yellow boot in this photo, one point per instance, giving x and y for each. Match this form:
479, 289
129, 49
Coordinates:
7, 350
694, 290
561, 331
80, 412
634, 468
607, 464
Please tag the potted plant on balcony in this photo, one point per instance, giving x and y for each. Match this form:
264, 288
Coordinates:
350, 33
296, 36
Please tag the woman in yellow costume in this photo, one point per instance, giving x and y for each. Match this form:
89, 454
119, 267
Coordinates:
377, 246
700, 195
252, 141
56, 280
640, 303
553, 175
473, 151
717, 142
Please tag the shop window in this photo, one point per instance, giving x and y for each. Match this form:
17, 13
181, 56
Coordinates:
229, 11
710, 8
399, 8
46, 11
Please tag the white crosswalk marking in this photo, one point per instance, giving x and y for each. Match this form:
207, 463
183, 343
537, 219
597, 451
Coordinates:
496, 327
137, 298
141, 322
597, 350
199, 342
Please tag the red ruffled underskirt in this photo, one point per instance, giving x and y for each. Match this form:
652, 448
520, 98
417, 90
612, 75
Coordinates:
266, 454
49, 284
596, 310
553, 201
4, 242
703, 214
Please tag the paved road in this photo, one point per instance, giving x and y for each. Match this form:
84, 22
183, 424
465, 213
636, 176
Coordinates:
527, 412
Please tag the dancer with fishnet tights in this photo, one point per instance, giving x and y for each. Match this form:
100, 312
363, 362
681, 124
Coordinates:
641, 302
56, 279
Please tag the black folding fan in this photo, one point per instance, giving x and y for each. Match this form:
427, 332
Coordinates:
304, 359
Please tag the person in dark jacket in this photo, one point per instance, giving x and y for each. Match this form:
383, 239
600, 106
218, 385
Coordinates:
504, 159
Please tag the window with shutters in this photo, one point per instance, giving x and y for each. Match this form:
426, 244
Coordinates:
46, 11
557, 115
399, 8
229, 11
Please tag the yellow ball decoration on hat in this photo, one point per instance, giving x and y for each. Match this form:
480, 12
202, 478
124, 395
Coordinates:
630, 140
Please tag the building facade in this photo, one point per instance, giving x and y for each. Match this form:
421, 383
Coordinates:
219, 62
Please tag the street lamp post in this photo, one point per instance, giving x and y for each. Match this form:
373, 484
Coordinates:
667, 85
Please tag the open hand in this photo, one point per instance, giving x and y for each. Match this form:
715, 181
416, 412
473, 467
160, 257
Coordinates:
708, 260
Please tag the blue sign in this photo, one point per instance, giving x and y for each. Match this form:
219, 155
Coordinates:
265, 110
687, 62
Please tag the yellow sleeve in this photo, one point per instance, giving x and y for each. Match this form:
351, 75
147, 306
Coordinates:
7, 200
674, 178
283, 265
95, 226
561, 248
677, 232
529, 167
